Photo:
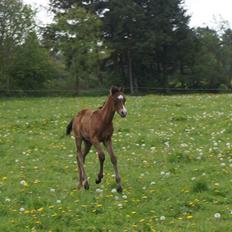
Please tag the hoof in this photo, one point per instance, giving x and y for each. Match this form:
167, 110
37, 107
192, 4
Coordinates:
119, 189
98, 181
86, 185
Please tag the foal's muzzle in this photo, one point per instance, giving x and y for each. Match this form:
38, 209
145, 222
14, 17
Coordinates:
123, 114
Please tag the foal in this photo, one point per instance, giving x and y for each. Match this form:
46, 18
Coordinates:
94, 127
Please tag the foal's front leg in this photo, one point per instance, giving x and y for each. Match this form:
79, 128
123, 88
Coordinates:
101, 157
80, 163
113, 158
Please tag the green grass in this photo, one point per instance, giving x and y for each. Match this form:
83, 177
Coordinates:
174, 155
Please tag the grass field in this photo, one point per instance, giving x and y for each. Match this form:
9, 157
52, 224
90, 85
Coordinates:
174, 155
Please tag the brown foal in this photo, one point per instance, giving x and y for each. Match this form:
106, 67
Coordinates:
94, 128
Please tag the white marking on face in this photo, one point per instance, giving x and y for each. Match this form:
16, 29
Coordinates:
120, 97
124, 109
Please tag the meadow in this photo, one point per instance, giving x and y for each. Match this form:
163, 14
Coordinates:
174, 155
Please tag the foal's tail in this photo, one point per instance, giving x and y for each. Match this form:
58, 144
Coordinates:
69, 128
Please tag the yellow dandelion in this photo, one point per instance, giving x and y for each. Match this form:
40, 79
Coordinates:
26, 211
36, 182
189, 217
40, 210
33, 211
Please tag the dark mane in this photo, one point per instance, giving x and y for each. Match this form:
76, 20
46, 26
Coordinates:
100, 107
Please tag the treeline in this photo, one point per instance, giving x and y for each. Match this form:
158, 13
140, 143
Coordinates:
139, 44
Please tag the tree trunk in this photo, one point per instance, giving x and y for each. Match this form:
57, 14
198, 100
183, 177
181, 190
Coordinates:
77, 84
130, 73
99, 73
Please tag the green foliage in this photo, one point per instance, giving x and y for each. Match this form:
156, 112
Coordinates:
24, 63
16, 22
176, 174
78, 36
94, 44
33, 66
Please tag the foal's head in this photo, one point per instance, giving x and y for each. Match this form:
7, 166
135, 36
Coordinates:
119, 100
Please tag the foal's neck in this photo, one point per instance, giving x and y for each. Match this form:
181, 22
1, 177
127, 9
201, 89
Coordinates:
108, 110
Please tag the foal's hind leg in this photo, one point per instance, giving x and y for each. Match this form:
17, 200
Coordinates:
82, 174
113, 158
101, 157
86, 149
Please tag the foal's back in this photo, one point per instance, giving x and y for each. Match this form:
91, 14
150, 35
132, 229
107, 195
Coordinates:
88, 125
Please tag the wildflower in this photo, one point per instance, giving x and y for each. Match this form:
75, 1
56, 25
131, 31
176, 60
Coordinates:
217, 215
21, 209
52, 190
113, 190
120, 205
26, 211
40, 210
58, 201
152, 183
124, 197
167, 173
189, 217
162, 218
99, 190
24, 183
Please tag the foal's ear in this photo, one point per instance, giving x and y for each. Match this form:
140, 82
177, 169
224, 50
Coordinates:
121, 89
114, 90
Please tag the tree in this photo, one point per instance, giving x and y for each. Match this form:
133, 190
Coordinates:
16, 21
226, 56
207, 68
77, 34
32, 67
145, 37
